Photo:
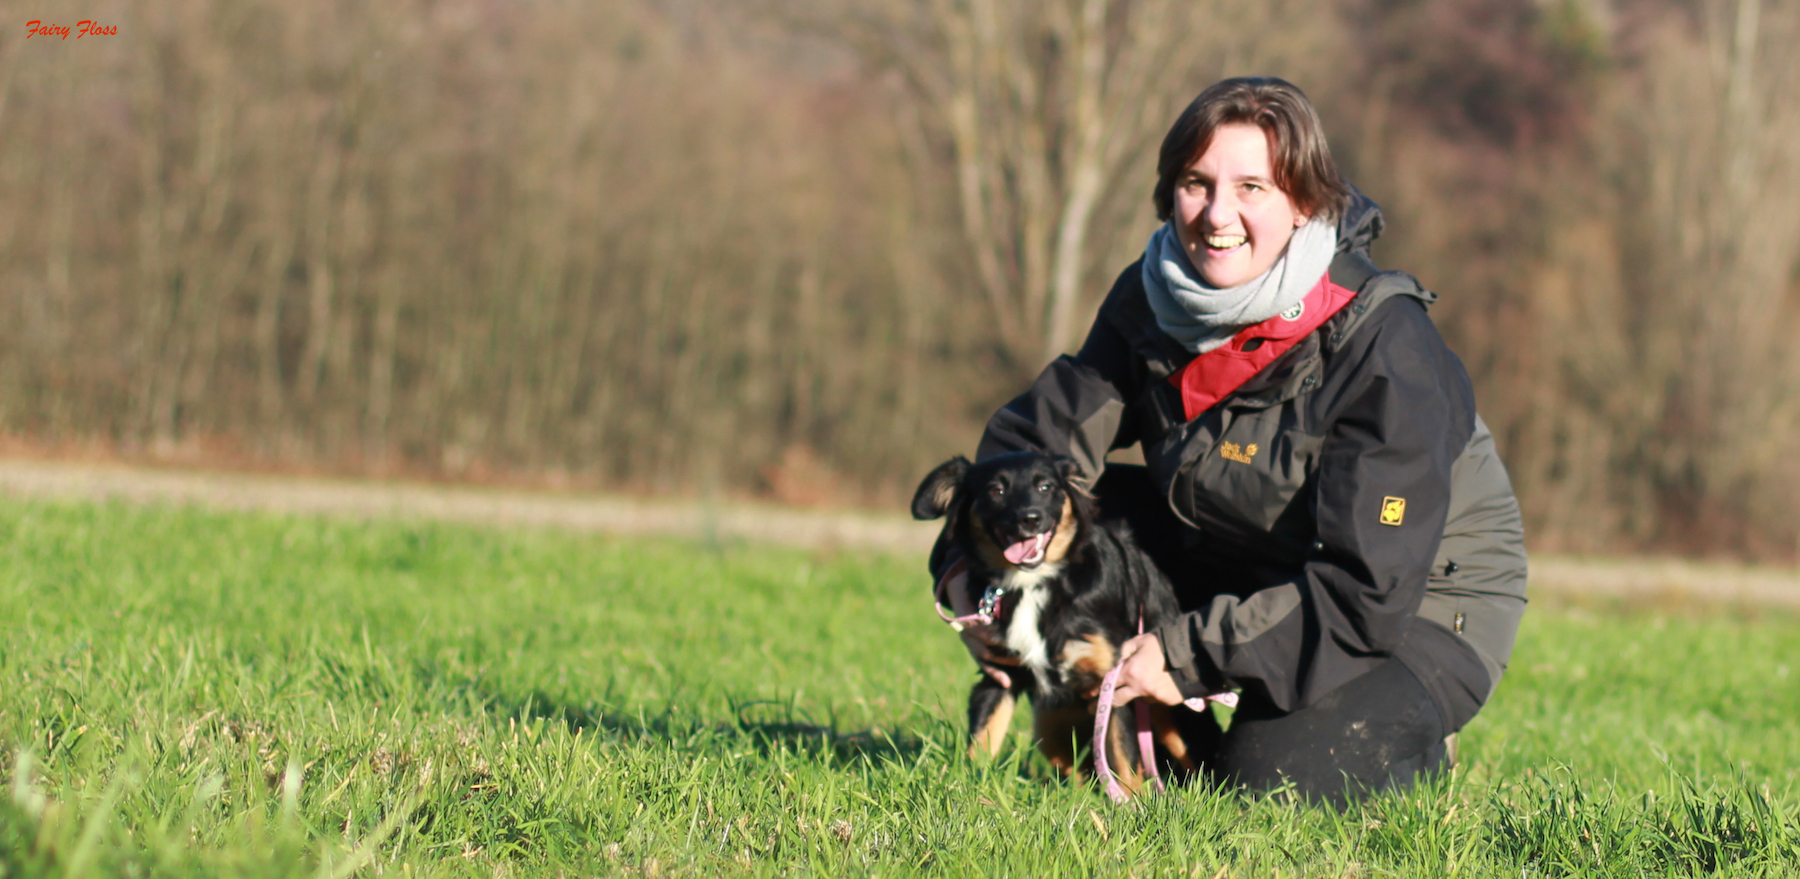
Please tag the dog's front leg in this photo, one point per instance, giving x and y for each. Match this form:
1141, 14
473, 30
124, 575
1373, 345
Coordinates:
1162, 720
1060, 730
990, 716
1122, 754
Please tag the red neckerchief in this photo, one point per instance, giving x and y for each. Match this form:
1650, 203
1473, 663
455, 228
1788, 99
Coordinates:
1212, 376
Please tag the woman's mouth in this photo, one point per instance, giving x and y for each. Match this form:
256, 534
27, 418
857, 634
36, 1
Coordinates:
1217, 244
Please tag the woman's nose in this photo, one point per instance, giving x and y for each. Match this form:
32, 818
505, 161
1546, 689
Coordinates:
1221, 209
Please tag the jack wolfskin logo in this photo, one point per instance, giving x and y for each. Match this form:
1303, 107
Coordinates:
1393, 510
1293, 314
1231, 452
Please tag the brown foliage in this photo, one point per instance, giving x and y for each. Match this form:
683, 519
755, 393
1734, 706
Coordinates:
671, 247
585, 237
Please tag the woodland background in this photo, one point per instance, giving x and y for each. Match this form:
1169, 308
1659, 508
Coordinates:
803, 249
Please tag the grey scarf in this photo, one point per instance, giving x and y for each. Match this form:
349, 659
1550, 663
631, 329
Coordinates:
1203, 317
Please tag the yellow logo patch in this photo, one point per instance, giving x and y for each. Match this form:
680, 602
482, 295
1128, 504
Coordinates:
1393, 510
1233, 452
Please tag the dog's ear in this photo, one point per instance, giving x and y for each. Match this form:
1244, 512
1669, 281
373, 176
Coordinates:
1079, 488
938, 491
1076, 481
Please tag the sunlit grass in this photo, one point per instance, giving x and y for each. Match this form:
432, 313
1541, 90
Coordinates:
204, 694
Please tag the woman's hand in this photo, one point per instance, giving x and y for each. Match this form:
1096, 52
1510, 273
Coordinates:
985, 643
1145, 673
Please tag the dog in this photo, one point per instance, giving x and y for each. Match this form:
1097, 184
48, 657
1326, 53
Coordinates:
1066, 591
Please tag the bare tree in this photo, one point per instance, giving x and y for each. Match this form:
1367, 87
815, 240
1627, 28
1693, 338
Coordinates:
1718, 227
664, 245
1049, 112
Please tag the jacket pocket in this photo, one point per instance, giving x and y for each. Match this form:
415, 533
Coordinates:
1255, 473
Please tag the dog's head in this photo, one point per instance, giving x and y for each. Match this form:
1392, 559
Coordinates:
1019, 511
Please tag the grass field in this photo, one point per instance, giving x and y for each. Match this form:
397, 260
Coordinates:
188, 693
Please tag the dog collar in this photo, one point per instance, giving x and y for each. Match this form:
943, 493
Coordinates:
990, 602
986, 612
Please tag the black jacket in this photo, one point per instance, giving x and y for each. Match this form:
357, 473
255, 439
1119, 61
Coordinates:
1305, 574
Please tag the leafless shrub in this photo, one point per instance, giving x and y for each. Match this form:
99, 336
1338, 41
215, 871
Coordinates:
684, 247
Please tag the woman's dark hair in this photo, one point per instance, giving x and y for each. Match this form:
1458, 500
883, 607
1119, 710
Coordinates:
1298, 153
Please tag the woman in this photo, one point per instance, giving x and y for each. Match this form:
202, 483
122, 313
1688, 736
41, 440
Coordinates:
1334, 516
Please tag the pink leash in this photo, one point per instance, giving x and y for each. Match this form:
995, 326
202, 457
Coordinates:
984, 615
1146, 747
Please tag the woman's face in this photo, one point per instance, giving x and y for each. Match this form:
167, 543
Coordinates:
1230, 217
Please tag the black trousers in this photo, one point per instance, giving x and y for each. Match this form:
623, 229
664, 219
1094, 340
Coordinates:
1378, 732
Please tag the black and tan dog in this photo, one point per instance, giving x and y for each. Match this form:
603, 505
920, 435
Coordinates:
1066, 590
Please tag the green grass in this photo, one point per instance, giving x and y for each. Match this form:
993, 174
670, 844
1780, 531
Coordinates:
188, 693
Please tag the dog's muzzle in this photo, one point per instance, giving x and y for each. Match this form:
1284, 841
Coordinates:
1029, 553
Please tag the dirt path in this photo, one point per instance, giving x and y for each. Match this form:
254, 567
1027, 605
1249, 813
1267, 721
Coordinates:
1663, 581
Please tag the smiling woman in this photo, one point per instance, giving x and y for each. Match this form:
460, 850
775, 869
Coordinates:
1338, 526
1250, 195
1232, 220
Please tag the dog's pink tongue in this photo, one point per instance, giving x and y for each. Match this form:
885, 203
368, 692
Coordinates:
1021, 551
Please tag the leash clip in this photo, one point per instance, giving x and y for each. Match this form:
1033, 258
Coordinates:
990, 603
986, 611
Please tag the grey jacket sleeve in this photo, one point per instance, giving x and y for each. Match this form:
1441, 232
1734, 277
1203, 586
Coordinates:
1075, 408
1398, 410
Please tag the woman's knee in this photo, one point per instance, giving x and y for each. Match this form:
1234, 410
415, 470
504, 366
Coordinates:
1379, 732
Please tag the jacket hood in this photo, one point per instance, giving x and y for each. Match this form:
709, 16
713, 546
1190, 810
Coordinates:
1360, 224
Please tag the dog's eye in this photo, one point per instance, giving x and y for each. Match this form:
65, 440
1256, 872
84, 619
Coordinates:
996, 490
1044, 487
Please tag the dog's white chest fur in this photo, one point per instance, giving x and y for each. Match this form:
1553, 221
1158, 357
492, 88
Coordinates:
1023, 634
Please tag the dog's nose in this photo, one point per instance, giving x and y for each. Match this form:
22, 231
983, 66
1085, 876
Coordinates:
1033, 519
